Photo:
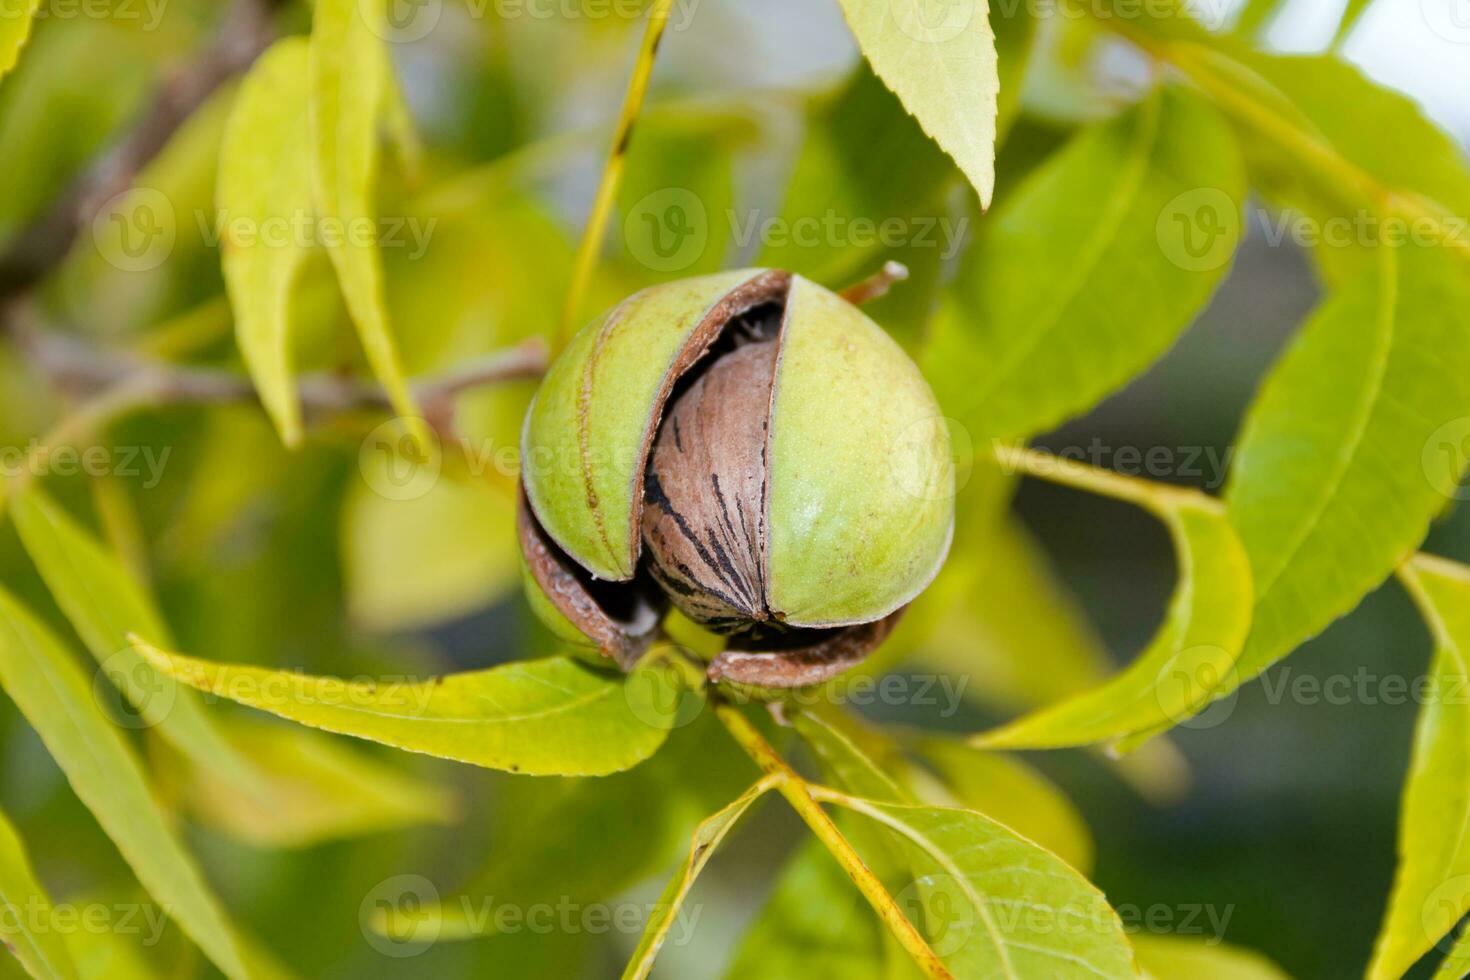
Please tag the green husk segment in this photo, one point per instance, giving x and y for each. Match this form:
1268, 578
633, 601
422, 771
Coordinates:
586, 436
861, 501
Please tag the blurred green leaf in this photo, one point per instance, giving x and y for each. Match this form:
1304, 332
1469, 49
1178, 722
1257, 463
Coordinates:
320, 790
348, 76
458, 539
1352, 445
995, 904
1189, 958
945, 73
26, 928
707, 837
1141, 214
843, 761
1190, 657
1456, 965
265, 184
104, 604
15, 29
538, 717
815, 926
1434, 856
56, 698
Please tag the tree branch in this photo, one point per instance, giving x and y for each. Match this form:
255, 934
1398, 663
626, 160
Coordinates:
244, 32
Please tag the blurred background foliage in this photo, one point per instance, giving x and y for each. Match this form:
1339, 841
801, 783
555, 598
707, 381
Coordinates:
1283, 813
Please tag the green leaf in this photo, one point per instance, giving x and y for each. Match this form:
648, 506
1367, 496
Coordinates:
54, 695
539, 717
459, 540
1352, 446
1189, 658
944, 71
320, 790
845, 764
1429, 894
265, 185
1007, 790
1181, 958
707, 837
25, 927
104, 604
348, 72
997, 905
1456, 965
815, 926
15, 30
1139, 214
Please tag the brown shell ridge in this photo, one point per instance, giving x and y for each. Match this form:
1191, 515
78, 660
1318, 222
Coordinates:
764, 287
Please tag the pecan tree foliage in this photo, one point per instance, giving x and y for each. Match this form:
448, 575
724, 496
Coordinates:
292, 383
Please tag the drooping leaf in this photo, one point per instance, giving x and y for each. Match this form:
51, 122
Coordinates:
56, 698
1186, 958
995, 904
944, 71
15, 30
707, 837
1138, 214
458, 539
1351, 446
104, 604
348, 71
539, 717
1190, 657
265, 186
319, 790
1007, 790
26, 928
1434, 823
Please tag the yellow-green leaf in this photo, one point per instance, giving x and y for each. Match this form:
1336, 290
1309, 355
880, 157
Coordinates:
1190, 657
939, 59
458, 539
15, 30
1431, 890
996, 905
348, 73
1354, 443
1184, 958
540, 717
707, 837
1456, 965
104, 604
320, 790
1138, 214
264, 191
26, 927
1008, 790
51, 691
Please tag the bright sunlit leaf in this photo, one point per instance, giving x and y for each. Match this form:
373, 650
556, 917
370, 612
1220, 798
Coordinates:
1195, 958
940, 61
26, 929
265, 187
1429, 893
538, 717
15, 29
